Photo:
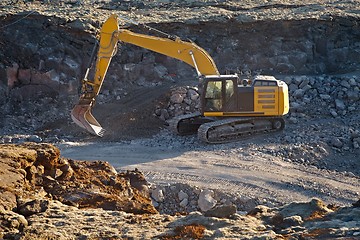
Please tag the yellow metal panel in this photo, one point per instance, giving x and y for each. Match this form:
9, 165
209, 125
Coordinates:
243, 114
266, 99
213, 114
283, 100
107, 48
233, 114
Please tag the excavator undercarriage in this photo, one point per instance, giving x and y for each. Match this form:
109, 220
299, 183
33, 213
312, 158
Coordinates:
224, 130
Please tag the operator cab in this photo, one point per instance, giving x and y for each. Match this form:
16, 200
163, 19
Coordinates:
234, 95
217, 91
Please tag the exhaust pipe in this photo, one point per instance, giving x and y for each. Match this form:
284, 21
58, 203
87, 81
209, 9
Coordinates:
81, 115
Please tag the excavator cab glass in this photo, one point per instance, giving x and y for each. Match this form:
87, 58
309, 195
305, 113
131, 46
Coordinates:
213, 99
217, 93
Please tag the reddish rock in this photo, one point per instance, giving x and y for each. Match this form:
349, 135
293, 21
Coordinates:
38, 78
12, 74
24, 76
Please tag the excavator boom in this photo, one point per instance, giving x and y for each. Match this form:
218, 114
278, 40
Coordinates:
110, 35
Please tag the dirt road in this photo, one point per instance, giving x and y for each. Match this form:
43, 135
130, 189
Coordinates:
238, 169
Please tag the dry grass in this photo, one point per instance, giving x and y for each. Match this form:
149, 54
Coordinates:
193, 231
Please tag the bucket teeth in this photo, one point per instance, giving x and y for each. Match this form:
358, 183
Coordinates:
81, 115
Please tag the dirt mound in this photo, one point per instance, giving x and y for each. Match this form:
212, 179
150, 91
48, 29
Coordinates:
34, 174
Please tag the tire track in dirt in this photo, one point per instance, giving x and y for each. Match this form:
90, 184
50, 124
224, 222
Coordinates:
232, 170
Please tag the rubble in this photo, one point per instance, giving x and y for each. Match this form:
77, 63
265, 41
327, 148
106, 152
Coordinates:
182, 100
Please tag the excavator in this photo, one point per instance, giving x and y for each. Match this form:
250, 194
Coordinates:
231, 107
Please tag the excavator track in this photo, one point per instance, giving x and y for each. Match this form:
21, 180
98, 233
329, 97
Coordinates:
185, 124
232, 129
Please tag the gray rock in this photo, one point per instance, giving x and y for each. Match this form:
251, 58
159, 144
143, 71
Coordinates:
345, 84
293, 87
299, 79
184, 202
336, 142
222, 211
182, 195
158, 195
304, 83
306, 88
35, 138
340, 105
288, 80
164, 114
353, 95
177, 98
288, 138
206, 200
192, 94
352, 82
299, 93
333, 113
325, 96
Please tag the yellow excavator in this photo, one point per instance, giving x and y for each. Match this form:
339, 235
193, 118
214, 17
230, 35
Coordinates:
231, 107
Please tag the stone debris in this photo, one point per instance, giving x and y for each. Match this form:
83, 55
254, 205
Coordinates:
305, 105
157, 195
182, 100
206, 200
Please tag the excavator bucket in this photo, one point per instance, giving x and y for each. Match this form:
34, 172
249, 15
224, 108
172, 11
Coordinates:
81, 115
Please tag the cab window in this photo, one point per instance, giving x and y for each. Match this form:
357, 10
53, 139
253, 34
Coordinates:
213, 99
265, 83
213, 90
229, 89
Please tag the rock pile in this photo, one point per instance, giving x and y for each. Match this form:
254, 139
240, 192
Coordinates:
320, 97
182, 199
327, 95
182, 100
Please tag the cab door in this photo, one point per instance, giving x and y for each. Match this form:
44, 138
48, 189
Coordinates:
220, 96
213, 100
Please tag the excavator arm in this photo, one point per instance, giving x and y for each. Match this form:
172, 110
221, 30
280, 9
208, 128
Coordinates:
110, 35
